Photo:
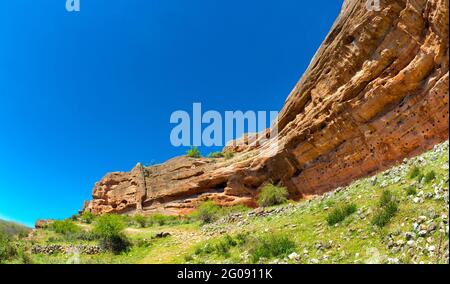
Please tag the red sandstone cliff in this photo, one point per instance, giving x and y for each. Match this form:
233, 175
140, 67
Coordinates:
375, 93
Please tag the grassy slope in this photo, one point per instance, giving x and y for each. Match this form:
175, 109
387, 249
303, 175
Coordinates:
13, 229
354, 240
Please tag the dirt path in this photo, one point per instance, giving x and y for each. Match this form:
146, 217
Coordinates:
173, 249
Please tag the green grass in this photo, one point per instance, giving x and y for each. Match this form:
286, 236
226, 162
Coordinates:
12, 229
383, 215
386, 198
339, 214
141, 220
87, 217
221, 247
271, 246
411, 190
388, 208
415, 172
264, 246
65, 227
161, 220
207, 212
430, 176
7, 250
271, 195
239, 208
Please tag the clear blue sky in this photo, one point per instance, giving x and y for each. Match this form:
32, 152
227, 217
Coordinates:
83, 94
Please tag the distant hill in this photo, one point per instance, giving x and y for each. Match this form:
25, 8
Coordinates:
13, 229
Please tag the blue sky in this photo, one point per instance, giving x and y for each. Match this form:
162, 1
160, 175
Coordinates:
83, 94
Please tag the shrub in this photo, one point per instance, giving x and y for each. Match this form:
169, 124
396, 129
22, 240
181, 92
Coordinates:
109, 229
411, 190
272, 195
109, 225
206, 249
65, 227
388, 208
415, 172
430, 176
193, 153
161, 220
127, 220
7, 250
115, 244
23, 256
188, 258
223, 246
384, 216
207, 212
229, 155
216, 155
140, 220
420, 177
338, 214
87, 217
242, 238
385, 198
220, 247
269, 246
86, 236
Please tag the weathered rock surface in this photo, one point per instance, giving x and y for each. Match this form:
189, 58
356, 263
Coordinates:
42, 224
375, 93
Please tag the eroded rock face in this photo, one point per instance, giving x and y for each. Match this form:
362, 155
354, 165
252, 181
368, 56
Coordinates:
42, 224
174, 187
375, 93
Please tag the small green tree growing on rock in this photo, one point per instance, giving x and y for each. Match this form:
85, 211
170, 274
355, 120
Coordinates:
194, 152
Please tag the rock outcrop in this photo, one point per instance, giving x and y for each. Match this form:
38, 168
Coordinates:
375, 93
43, 224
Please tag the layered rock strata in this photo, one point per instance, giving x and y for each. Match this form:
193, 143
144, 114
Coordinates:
376, 92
